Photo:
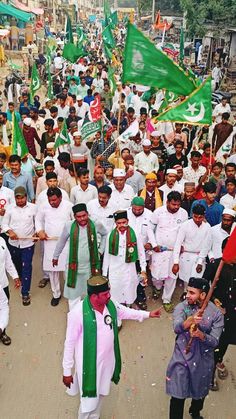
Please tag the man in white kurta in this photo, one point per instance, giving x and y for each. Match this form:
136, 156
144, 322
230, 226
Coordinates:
90, 407
122, 194
101, 209
165, 224
192, 246
123, 276
4, 311
220, 232
171, 184
50, 220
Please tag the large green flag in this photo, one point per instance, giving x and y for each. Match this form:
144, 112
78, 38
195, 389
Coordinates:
63, 138
35, 83
145, 64
108, 38
89, 128
71, 52
69, 34
196, 109
19, 145
81, 37
111, 80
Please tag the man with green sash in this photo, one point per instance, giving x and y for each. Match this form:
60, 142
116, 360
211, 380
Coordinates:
123, 248
92, 345
84, 254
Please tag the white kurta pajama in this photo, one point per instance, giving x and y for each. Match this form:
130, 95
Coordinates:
73, 351
52, 221
163, 232
123, 276
196, 242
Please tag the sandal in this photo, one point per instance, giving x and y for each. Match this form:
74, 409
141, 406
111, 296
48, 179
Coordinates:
155, 293
43, 282
168, 307
6, 340
214, 386
26, 300
222, 371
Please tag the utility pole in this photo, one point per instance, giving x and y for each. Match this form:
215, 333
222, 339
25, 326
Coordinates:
153, 10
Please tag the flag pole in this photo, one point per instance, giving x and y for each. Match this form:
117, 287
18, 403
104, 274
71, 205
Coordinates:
206, 301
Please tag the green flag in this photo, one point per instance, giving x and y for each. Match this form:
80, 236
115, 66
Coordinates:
69, 34
181, 46
107, 11
111, 80
35, 83
145, 64
19, 145
113, 19
63, 138
196, 109
168, 99
50, 93
147, 95
81, 37
107, 51
89, 128
71, 52
108, 38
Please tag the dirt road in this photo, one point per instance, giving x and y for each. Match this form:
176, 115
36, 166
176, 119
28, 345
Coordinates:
30, 369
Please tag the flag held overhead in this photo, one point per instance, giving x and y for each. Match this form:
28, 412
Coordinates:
196, 109
144, 63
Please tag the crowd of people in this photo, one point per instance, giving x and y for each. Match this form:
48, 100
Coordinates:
152, 209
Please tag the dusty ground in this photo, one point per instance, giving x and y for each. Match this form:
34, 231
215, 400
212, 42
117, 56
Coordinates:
30, 369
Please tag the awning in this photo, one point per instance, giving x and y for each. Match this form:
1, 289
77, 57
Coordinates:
7, 9
34, 10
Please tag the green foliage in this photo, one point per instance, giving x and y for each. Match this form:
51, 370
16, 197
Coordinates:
218, 13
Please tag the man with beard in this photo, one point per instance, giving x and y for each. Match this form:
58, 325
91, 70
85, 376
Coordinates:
189, 373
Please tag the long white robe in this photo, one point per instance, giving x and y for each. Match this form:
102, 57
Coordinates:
196, 243
123, 276
163, 232
73, 349
52, 221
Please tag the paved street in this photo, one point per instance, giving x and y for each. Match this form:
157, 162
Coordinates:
30, 369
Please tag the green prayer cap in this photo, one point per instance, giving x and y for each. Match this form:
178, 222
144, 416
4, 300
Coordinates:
138, 200
97, 284
79, 207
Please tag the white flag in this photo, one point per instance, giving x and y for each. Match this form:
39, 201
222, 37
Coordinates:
131, 131
224, 151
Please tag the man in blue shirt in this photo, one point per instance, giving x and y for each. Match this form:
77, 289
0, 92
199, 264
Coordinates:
213, 208
16, 178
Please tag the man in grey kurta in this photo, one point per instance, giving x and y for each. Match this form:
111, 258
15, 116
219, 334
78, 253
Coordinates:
189, 374
84, 267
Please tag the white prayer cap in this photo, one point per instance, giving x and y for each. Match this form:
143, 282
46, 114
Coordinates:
79, 98
156, 133
141, 88
47, 99
146, 143
27, 122
229, 211
119, 173
76, 134
171, 172
50, 145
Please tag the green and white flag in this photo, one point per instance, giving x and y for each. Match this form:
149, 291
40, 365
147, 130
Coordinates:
106, 11
89, 128
196, 109
69, 33
19, 145
169, 98
145, 64
63, 138
50, 93
108, 38
113, 19
108, 51
35, 83
131, 131
112, 81
80, 36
